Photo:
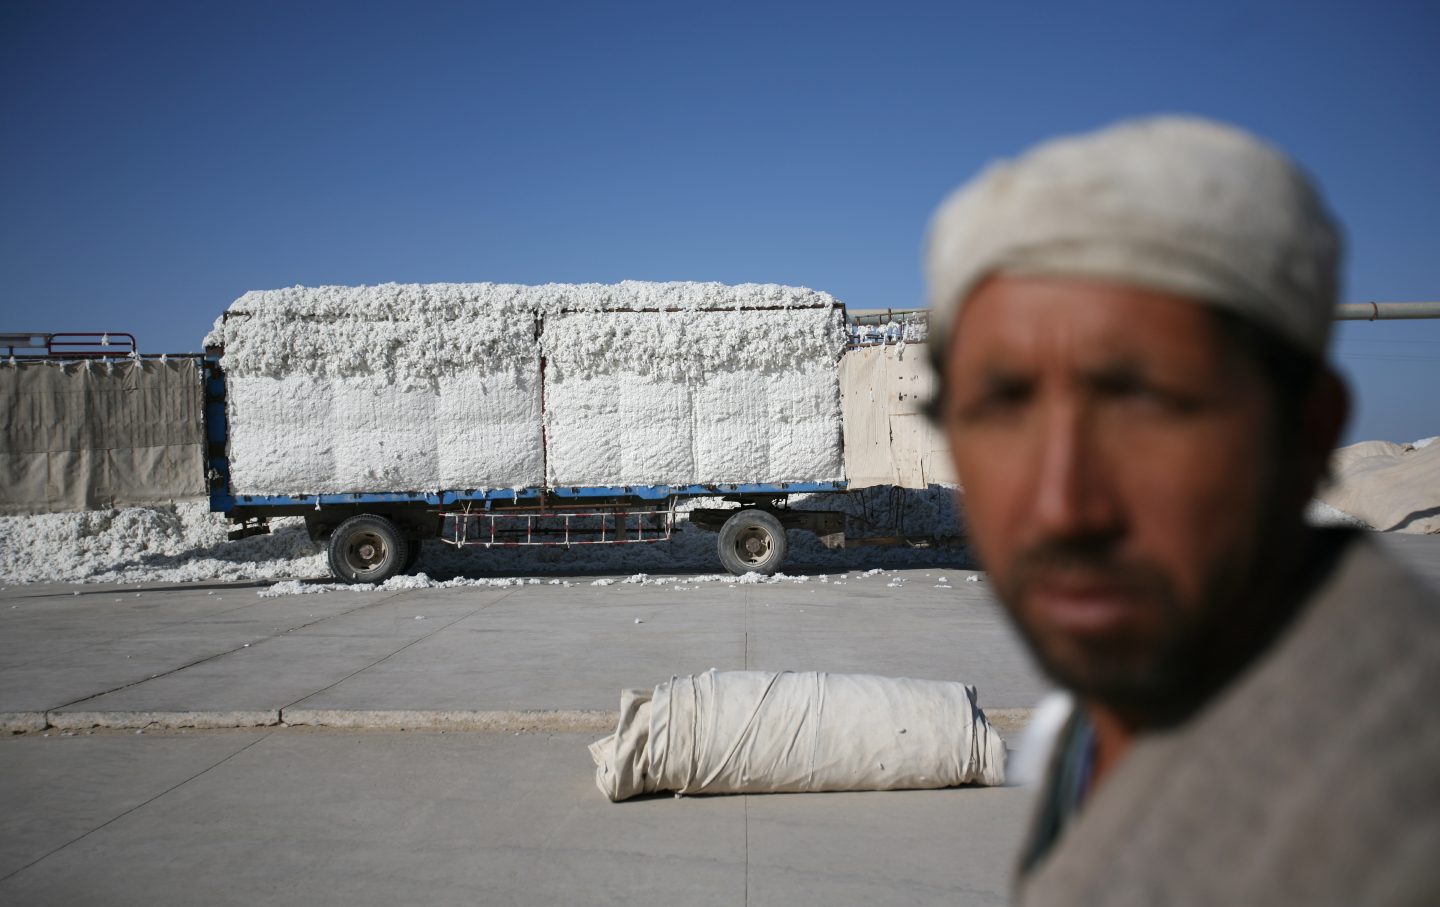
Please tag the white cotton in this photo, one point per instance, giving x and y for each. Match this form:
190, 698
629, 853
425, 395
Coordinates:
181, 543
415, 387
185, 542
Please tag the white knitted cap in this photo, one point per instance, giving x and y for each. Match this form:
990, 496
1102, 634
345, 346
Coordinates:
1175, 204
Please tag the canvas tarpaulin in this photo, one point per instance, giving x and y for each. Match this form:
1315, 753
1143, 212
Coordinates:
1395, 487
94, 434
888, 439
739, 732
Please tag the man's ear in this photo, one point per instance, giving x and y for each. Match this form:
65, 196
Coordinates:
1327, 407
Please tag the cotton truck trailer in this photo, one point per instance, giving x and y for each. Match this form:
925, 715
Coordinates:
488, 415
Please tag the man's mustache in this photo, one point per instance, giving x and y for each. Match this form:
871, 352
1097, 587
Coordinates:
1098, 557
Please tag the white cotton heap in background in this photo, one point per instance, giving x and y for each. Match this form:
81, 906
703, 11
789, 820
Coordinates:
185, 542
181, 543
439, 386
1392, 487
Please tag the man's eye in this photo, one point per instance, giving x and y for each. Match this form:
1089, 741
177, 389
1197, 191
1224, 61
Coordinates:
995, 401
1135, 391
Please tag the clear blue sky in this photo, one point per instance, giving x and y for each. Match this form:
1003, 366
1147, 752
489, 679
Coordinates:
159, 159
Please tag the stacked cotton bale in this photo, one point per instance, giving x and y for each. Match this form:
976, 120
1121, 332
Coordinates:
423, 387
694, 397
388, 388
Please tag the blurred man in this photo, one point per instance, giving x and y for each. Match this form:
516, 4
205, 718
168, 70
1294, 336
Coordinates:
1131, 330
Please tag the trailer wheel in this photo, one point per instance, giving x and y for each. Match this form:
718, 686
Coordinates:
752, 541
367, 549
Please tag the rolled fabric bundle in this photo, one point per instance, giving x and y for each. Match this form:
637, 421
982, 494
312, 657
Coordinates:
751, 732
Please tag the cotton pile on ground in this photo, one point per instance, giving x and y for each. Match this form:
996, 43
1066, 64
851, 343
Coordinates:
1319, 513
183, 543
1394, 487
187, 543
439, 386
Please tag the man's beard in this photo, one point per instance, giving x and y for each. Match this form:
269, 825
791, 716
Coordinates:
1162, 670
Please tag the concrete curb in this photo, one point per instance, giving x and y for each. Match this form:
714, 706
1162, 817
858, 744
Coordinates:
558, 720
1008, 720
518, 720
207, 720
21, 722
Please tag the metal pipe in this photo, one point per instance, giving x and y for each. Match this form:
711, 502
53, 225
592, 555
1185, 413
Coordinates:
1349, 311
1385, 311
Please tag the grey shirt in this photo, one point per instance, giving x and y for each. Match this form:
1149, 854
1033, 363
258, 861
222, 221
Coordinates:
1314, 778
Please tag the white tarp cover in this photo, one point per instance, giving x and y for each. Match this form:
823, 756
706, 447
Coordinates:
752, 732
437, 386
1393, 487
888, 439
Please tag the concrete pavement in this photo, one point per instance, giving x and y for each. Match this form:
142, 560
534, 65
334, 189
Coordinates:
274, 813
286, 816
263, 812
224, 656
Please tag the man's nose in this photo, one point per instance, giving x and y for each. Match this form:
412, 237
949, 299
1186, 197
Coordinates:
1074, 492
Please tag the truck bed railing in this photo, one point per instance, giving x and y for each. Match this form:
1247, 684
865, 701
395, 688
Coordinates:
535, 527
90, 344
70, 345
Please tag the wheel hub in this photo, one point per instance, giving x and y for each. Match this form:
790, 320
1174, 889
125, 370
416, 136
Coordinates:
366, 552
753, 545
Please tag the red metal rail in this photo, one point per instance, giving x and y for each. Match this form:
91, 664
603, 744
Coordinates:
556, 528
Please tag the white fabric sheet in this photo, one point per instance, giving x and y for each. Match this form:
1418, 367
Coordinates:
1394, 487
740, 732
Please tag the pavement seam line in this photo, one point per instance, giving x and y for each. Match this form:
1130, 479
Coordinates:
132, 809
513, 721
1003, 720
200, 661
744, 799
390, 655
745, 623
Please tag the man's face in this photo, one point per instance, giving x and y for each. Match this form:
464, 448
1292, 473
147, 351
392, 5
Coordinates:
1117, 462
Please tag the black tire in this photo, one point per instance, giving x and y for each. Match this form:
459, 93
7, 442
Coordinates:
367, 549
412, 557
752, 541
